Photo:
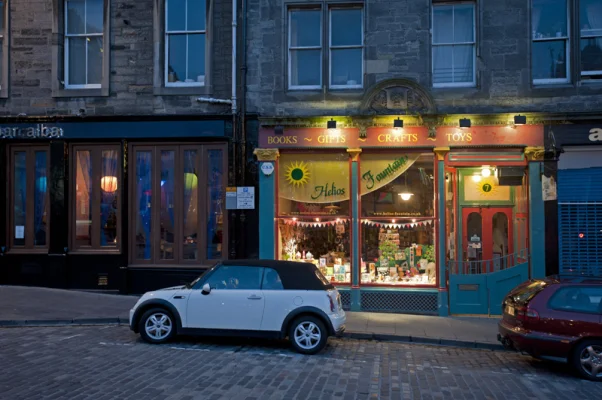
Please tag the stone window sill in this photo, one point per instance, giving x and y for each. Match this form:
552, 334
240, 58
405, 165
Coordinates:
102, 92
183, 91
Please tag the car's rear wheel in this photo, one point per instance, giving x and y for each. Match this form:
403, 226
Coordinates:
308, 335
157, 326
587, 359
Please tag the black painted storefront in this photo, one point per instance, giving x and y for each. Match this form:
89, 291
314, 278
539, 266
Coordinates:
58, 266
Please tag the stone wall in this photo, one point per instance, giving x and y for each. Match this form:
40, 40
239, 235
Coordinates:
131, 64
397, 45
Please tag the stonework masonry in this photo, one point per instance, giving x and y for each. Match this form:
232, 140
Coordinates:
131, 64
397, 45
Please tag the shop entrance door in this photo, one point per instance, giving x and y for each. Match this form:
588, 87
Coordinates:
487, 238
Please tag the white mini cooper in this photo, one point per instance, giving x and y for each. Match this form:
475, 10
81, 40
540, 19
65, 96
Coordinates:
251, 298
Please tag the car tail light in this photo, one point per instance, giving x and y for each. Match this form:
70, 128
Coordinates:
332, 306
526, 314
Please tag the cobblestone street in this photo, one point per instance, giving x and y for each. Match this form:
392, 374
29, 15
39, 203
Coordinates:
110, 362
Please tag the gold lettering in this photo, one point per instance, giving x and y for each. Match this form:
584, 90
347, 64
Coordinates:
459, 137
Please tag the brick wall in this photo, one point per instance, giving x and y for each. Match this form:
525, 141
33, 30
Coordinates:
397, 45
131, 66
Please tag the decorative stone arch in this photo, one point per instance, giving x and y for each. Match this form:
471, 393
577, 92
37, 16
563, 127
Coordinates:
397, 97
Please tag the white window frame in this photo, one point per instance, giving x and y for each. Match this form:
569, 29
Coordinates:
567, 40
301, 48
79, 35
185, 32
473, 83
588, 36
331, 48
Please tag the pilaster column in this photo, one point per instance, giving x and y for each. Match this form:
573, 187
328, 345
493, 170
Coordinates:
354, 155
537, 228
441, 153
267, 201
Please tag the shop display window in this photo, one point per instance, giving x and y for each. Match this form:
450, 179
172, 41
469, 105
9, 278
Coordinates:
397, 219
313, 211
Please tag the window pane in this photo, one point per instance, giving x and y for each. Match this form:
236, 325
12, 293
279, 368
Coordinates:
443, 24
76, 16
577, 299
83, 198
549, 18
196, 15
500, 240
232, 278
143, 199
167, 205
549, 60
346, 27
2, 11
346, 67
190, 206
95, 52
196, 58
463, 23
77, 61
306, 67
177, 58
591, 14
109, 199
271, 280
305, 29
94, 16
176, 15
215, 195
463, 63
442, 64
591, 54
20, 198
40, 200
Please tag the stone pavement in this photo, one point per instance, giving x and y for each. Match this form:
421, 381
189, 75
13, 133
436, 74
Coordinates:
30, 305
111, 362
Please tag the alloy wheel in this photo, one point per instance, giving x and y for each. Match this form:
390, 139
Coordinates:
591, 361
158, 326
307, 335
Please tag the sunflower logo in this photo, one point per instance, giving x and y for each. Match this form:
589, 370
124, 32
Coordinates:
487, 187
297, 173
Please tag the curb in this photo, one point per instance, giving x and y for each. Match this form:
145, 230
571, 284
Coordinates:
424, 340
64, 322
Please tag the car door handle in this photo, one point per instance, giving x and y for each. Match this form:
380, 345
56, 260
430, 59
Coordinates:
179, 297
254, 297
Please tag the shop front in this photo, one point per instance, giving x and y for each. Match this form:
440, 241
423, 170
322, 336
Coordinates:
576, 190
112, 205
388, 214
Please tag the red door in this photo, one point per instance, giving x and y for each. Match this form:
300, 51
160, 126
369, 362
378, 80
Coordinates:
487, 237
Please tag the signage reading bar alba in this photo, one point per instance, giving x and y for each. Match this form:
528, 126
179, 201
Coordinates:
523, 135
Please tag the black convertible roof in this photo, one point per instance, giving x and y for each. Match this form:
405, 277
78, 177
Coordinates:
294, 275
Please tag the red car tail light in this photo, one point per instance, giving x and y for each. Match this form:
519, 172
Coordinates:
332, 306
526, 314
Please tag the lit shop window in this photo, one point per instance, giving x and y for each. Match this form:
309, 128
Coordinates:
397, 210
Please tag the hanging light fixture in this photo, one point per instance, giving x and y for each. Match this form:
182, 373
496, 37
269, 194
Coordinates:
406, 194
108, 184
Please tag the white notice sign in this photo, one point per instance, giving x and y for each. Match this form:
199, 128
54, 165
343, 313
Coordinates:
19, 232
245, 198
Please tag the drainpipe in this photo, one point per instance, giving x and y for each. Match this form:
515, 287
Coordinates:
243, 105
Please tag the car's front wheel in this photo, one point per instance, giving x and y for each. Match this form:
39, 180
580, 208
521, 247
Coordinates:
587, 359
157, 326
308, 335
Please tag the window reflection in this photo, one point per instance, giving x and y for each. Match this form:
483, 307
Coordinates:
143, 200
83, 198
191, 183
40, 206
167, 229
20, 198
108, 197
215, 215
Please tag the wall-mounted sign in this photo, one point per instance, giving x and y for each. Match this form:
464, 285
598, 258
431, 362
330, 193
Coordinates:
240, 198
39, 131
446, 136
573, 135
267, 168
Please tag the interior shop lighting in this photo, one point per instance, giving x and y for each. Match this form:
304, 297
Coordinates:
476, 178
465, 123
485, 172
520, 119
406, 195
332, 124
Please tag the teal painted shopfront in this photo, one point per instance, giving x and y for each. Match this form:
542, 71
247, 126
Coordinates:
405, 219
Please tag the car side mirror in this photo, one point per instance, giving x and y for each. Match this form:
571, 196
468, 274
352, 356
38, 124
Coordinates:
206, 289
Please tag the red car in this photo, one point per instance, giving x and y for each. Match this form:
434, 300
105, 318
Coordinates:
558, 318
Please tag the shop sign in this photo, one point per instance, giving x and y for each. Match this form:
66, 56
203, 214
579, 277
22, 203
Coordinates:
311, 137
39, 131
267, 168
595, 135
377, 170
574, 135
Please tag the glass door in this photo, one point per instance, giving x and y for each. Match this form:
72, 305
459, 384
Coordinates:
487, 237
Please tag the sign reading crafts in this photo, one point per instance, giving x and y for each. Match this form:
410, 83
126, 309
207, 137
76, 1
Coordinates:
379, 137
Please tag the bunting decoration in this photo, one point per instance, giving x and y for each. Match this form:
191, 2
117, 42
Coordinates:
315, 224
395, 225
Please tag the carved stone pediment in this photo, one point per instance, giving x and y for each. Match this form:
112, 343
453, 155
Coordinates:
397, 97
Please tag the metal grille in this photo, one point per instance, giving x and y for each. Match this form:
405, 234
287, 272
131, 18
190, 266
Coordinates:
345, 299
397, 301
580, 238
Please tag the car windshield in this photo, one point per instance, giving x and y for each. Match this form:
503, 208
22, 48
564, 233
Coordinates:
194, 282
526, 293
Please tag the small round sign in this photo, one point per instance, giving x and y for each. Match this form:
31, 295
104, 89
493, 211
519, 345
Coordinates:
267, 168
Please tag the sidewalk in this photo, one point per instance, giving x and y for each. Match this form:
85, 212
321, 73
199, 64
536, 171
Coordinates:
24, 306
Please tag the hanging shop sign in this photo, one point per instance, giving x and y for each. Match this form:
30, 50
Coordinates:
446, 136
378, 170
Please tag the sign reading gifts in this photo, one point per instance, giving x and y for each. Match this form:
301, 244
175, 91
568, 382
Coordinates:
450, 136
